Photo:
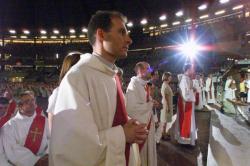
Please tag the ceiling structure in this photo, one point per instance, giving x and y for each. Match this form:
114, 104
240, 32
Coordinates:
66, 13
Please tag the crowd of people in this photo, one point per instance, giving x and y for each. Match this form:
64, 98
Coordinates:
93, 119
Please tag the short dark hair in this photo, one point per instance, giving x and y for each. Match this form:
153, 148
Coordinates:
139, 65
186, 67
25, 93
102, 20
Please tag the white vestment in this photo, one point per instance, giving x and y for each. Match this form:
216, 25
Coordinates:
14, 137
229, 92
198, 87
138, 108
248, 92
203, 90
82, 132
187, 93
209, 83
3, 159
52, 101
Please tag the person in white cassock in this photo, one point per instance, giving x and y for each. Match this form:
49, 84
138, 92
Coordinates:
26, 135
203, 89
4, 102
185, 127
68, 62
210, 89
198, 92
139, 106
90, 124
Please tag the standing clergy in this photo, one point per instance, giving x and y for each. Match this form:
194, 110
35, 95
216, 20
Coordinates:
198, 92
210, 89
139, 106
90, 124
185, 124
203, 89
26, 136
4, 102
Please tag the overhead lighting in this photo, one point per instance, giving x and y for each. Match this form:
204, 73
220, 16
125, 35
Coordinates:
26, 32
163, 17
204, 16
12, 31
190, 48
179, 13
85, 30
130, 24
53, 37
55, 31
151, 28
238, 7
13, 36
144, 21
23, 37
72, 31
57, 56
202, 7
224, 1
61, 37
188, 20
176, 23
163, 25
220, 12
82, 36
43, 37
43, 32
72, 36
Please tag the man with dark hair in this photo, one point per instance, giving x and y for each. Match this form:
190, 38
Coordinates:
90, 123
140, 106
26, 135
185, 122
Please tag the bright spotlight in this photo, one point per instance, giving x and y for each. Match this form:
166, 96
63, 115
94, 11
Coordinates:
190, 48
224, 1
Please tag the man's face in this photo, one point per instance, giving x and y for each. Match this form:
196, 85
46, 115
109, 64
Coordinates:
3, 109
116, 41
28, 104
146, 72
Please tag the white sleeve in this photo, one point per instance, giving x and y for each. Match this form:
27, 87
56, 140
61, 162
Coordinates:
52, 101
3, 159
16, 153
136, 108
186, 92
76, 139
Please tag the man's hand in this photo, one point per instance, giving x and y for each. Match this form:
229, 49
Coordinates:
44, 161
135, 132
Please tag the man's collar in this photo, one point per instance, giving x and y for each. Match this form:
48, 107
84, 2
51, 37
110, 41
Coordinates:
103, 60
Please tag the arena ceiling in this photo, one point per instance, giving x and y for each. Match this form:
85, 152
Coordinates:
33, 14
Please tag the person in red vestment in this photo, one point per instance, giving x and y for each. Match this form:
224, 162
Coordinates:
185, 124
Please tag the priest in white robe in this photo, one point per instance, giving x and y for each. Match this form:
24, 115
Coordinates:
139, 106
15, 135
83, 130
198, 93
210, 90
185, 126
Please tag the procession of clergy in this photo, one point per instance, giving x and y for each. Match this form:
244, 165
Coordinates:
25, 133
